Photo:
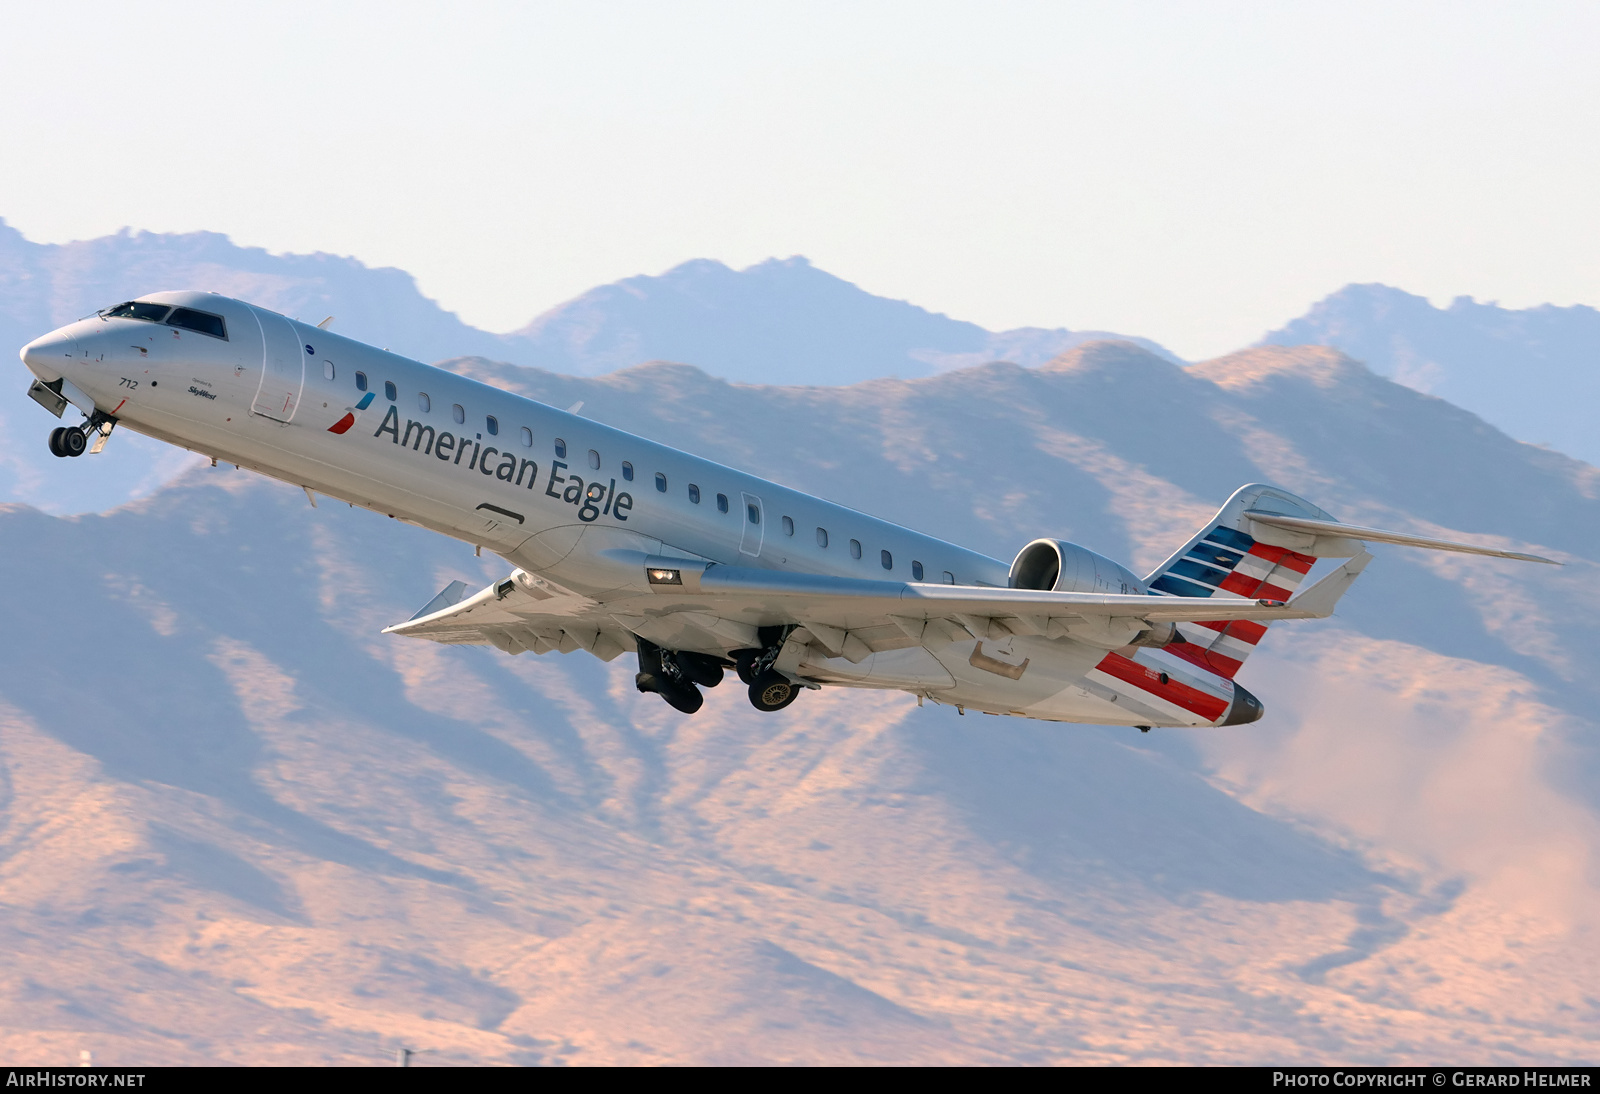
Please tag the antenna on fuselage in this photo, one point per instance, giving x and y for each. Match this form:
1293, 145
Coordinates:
575, 407
324, 324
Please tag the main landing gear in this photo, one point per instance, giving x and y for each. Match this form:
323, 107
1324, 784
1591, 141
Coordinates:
677, 676
674, 674
769, 689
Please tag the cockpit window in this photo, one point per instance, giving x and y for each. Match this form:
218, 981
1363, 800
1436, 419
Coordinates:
135, 309
202, 322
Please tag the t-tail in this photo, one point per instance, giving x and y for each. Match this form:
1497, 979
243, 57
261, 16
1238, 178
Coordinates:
1260, 546
1224, 559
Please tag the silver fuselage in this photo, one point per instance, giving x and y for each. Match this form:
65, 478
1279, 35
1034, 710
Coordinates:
549, 491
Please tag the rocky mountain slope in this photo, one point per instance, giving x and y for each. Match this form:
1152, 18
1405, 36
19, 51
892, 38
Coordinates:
237, 824
1533, 372
776, 322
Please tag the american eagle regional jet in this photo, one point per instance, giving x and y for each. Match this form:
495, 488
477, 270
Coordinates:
621, 545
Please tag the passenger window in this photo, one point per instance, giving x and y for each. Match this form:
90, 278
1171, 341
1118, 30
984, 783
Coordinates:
949, 578
424, 403
561, 448
493, 425
594, 459
458, 412
822, 537
327, 370
361, 381
694, 493
788, 526
627, 471
199, 321
753, 513
661, 482
916, 570
887, 559
722, 503
390, 392
855, 548
527, 437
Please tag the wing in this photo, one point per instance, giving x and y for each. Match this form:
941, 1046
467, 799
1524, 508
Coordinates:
712, 608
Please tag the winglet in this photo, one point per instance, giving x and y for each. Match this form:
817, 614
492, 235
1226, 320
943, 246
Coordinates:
449, 596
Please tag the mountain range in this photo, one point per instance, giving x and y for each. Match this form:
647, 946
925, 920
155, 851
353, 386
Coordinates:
238, 825
778, 322
1531, 373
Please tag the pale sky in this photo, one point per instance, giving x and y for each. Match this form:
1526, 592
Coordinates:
1193, 172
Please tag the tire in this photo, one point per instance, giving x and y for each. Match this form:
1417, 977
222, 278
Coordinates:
744, 665
773, 691
698, 667
687, 699
55, 440
73, 442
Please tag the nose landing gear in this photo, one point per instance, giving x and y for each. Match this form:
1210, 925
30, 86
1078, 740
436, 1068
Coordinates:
66, 440
58, 446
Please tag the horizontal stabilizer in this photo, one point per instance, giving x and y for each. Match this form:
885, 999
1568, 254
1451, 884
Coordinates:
1378, 535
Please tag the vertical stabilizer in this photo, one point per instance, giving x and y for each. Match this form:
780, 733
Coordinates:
1224, 559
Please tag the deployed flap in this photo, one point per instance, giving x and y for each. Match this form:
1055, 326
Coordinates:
1378, 535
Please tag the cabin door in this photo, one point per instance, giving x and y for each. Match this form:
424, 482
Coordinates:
283, 369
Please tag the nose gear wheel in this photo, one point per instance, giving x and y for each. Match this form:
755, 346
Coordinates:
67, 441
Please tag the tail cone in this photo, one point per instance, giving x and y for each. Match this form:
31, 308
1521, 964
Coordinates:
1246, 708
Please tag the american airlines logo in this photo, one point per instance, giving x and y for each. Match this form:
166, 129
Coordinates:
343, 424
594, 500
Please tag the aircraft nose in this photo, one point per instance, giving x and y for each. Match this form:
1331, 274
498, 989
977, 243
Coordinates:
45, 356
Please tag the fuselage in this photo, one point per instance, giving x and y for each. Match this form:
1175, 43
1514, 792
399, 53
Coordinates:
548, 490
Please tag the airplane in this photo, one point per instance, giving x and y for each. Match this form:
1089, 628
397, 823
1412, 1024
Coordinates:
621, 545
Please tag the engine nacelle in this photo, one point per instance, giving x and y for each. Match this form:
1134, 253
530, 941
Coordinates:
1058, 566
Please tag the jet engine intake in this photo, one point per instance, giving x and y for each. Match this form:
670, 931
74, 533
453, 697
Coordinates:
1059, 566
1055, 565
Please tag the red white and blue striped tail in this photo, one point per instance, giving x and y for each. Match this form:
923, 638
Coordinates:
1223, 559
